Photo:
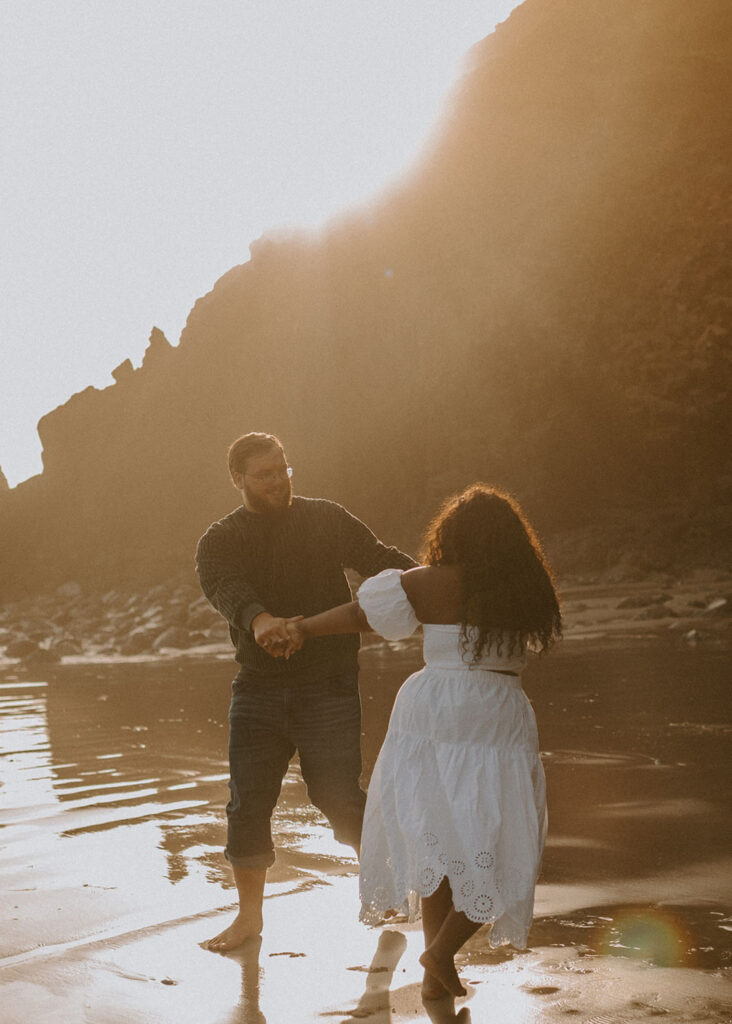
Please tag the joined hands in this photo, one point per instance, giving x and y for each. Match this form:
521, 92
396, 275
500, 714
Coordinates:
278, 636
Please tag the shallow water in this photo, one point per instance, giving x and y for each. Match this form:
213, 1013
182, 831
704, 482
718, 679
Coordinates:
112, 809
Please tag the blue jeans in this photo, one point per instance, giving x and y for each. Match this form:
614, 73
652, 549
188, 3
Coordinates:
268, 721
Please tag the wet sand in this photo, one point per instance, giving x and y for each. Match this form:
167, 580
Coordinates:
112, 818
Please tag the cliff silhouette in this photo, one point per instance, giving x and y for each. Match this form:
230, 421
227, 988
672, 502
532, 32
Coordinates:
542, 302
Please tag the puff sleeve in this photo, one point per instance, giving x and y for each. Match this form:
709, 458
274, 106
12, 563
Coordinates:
386, 606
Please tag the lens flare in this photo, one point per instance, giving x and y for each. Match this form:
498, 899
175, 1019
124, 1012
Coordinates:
648, 933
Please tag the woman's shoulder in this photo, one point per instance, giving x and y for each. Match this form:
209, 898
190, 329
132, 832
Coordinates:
434, 591
427, 578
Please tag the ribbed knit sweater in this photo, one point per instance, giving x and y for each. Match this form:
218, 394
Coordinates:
289, 564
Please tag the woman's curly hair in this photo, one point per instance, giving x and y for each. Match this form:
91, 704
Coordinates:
508, 595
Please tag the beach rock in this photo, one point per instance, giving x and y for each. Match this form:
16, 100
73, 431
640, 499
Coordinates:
68, 590
639, 601
62, 616
719, 608
139, 640
121, 619
175, 636
20, 648
655, 611
177, 614
218, 632
66, 645
41, 656
82, 626
40, 630
154, 611
201, 615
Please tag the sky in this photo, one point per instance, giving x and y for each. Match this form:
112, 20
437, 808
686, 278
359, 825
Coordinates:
146, 144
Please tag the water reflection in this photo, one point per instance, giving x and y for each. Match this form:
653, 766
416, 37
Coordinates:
375, 1003
248, 1011
632, 739
115, 787
25, 748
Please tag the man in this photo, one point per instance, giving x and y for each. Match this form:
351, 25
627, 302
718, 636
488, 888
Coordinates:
274, 557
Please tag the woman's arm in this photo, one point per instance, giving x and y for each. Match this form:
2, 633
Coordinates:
344, 618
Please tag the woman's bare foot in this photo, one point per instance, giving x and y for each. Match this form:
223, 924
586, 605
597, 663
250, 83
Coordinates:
243, 927
443, 971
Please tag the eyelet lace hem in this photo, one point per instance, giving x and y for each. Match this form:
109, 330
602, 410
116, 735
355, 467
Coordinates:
476, 892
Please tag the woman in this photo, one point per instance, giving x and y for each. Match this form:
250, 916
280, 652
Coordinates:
455, 813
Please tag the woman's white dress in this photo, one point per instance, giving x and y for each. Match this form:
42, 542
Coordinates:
458, 788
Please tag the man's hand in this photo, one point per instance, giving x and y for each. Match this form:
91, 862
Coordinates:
277, 636
270, 632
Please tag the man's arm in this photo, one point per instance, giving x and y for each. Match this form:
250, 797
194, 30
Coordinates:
230, 592
363, 551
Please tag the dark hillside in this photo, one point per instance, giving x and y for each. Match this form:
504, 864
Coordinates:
543, 303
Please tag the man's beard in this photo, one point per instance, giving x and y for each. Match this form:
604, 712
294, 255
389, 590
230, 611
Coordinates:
270, 505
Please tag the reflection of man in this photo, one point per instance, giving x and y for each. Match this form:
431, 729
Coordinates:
278, 556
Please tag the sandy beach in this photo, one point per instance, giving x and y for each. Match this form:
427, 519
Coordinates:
112, 818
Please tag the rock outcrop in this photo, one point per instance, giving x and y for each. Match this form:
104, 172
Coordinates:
543, 303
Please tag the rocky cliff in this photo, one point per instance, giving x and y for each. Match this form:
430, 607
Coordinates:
542, 303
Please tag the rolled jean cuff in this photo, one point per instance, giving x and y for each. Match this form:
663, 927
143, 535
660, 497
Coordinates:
254, 861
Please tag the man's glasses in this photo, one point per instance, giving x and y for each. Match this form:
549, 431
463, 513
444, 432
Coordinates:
272, 476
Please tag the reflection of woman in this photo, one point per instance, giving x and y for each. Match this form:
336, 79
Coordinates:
456, 806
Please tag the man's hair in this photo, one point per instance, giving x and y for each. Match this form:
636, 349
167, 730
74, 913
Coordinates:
247, 445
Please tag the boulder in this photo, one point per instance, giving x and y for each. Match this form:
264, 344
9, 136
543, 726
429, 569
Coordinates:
40, 630
218, 632
139, 640
41, 656
720, 607
640, 601
20, 648
175, 636
65, 645
202, 616
177, 613
154, 611
655, 611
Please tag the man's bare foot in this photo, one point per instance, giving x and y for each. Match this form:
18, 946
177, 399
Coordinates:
432, 988
243, 927
443, 971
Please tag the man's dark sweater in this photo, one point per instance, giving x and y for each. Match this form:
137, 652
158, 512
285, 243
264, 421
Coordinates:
289, 564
